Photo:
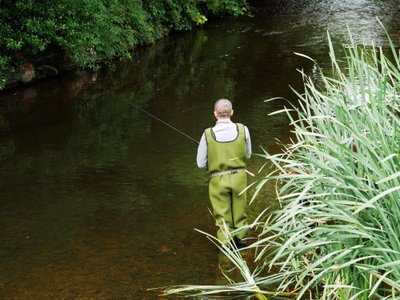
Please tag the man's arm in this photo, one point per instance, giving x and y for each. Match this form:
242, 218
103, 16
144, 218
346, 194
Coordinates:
248, 142
202, 153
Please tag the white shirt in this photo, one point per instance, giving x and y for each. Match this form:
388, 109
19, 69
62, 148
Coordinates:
225, 131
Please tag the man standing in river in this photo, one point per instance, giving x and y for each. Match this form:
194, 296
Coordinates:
223, 151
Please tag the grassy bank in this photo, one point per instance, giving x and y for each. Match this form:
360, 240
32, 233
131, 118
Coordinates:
337, 234
44, 37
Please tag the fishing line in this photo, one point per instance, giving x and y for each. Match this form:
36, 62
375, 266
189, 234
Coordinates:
173, 127
162, 121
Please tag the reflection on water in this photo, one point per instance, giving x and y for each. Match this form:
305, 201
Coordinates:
99, 201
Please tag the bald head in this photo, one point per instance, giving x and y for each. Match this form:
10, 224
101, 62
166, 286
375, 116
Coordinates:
223, 109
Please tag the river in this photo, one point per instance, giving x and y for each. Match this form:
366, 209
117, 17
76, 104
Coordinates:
100, 201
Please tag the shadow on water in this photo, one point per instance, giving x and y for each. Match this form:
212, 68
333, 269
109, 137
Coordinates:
99, 201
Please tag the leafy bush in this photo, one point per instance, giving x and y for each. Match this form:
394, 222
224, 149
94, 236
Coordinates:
84, 33
232, 7
4, 63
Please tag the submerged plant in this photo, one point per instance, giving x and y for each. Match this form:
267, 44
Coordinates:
230, 251
337, 234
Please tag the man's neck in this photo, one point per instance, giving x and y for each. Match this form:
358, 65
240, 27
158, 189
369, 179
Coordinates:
224, 120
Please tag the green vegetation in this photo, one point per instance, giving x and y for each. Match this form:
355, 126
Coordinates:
84, 33
336, 235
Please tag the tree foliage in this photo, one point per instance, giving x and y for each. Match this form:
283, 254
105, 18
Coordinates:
84, 33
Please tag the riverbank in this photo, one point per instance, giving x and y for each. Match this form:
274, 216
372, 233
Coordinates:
42, 40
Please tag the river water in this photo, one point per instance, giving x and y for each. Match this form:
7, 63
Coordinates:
100, 201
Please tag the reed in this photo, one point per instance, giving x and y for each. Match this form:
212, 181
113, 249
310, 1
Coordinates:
337, 234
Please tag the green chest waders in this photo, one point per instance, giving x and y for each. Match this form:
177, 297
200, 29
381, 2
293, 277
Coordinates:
226, 164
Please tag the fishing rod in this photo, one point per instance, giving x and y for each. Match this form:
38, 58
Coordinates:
165, 123
174, 128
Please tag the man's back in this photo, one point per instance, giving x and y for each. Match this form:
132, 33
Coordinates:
224, 131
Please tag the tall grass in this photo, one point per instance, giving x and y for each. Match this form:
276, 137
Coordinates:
337, 235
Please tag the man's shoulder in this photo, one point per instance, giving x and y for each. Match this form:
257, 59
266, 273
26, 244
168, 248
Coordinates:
241, 125
208, 132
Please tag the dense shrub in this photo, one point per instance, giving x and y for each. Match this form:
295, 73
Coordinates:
84, 33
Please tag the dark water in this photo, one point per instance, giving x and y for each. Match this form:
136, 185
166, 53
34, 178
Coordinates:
100, 201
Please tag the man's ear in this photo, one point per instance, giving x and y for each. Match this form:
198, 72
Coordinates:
231, 112
215, 114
